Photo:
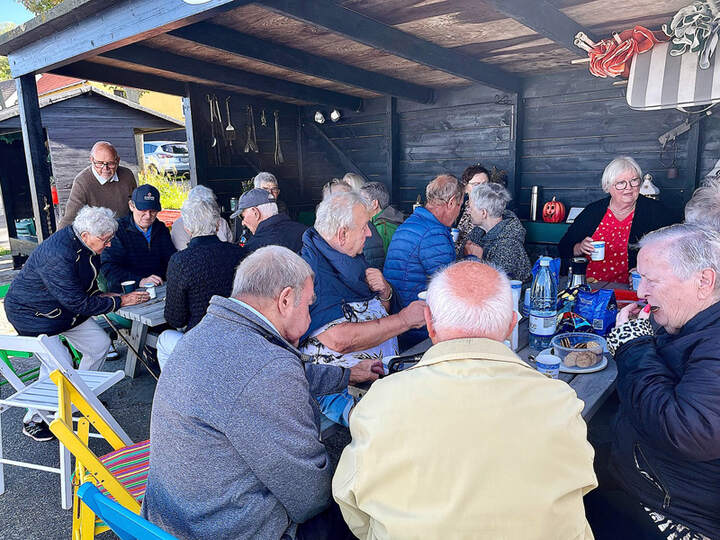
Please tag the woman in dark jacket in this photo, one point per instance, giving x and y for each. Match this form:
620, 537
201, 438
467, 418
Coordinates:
665, 458
620, 220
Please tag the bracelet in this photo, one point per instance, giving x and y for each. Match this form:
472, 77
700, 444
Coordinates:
388, 298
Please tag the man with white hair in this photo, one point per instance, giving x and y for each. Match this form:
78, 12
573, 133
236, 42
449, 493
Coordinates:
268, 182
236, 449
196, 274
103, 183
179, 233
259, 211
56, 292
423, 245
704, 206
471, 442
351, 315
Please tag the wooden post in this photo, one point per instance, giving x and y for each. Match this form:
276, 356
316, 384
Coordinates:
36, 156
392, 184
693, 152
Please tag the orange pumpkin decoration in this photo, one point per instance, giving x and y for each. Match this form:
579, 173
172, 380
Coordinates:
553, 211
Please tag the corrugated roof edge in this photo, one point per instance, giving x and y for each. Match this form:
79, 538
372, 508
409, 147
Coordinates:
57, 18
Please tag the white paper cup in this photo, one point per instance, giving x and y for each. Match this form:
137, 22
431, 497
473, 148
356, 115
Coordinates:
548, 364
455, 234
151, 291
127, 286
598, 253
635, 280
422, 295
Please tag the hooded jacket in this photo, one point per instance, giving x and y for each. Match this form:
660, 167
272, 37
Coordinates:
386, 222
57, 289
504, 247
235, 432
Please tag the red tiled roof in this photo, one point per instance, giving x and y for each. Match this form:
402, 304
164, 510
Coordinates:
50, 82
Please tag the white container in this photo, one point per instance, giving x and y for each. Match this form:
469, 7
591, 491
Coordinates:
598, 253
455, 234
516, 288
150, 288
548, 364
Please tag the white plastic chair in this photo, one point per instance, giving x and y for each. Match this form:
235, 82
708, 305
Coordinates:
42, 396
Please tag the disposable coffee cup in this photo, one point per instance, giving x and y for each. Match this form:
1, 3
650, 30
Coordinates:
150, 288
598, 253
635, 280
548, 364
127, 286
455, 234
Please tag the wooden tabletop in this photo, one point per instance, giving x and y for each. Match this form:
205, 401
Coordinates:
150, 313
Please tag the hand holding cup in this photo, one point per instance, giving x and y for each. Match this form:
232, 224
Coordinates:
133, 298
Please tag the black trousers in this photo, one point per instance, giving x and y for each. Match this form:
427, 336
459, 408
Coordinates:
327, 525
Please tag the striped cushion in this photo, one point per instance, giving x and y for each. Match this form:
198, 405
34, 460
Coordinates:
130, 466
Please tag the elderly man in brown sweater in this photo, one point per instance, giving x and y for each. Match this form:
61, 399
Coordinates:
104, 183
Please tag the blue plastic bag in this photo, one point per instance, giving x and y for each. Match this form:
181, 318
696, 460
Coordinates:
599, 308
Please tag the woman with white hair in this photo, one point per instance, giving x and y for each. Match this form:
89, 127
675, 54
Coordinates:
56, 292
704, 206
181, 236
619, 220
665, 458
194, 275
501, 237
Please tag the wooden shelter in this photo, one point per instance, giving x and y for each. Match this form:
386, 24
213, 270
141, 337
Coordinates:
422, 87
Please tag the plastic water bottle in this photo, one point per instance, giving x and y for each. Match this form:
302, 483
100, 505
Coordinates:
543, 307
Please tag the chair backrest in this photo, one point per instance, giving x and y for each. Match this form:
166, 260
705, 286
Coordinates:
77, 443
123, 522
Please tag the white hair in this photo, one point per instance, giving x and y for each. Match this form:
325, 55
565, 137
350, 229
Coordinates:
269, 270
491, 197
95, 220
477, 317
336, 211
688, 247
335, 186
200, 216
354, 180
204, 193
376, 191
616, 167
443, 188
264, 178
704, 206
267, 209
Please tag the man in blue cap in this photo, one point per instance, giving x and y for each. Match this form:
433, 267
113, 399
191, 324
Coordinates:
142, 245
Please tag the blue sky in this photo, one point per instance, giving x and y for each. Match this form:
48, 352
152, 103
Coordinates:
12, 11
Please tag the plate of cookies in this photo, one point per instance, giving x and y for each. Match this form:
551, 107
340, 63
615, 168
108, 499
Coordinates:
579, 352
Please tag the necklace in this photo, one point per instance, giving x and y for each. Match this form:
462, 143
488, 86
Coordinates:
621, 214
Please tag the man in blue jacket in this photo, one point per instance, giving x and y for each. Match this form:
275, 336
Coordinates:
142, 246
422, 245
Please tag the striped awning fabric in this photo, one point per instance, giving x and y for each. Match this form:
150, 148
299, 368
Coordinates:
660, 81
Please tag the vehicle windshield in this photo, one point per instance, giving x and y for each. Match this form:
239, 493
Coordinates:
175, 148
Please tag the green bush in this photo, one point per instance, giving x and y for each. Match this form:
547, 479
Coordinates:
172, 192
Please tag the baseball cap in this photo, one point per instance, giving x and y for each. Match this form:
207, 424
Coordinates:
146, 197
254, 197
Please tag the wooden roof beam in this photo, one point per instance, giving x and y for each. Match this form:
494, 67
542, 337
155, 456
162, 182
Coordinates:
545, 19
340, 20
227, 40
191, 67
121, 76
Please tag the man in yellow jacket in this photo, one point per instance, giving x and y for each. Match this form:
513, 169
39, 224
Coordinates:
471, 442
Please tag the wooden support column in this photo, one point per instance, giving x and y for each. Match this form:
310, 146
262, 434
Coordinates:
516, 126
392, 184
197, 133
36, 156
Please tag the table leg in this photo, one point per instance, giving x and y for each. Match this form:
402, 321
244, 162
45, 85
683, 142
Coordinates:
138, 337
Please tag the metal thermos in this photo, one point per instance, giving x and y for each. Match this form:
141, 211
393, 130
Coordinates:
534, 196
578, 267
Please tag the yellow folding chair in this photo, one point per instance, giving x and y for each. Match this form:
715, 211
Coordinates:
121, 474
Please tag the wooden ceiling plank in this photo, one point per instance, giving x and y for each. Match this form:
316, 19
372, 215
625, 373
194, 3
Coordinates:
146, 56
353, 25
227, 40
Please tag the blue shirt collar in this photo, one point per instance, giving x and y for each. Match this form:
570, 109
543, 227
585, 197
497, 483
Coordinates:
256, 312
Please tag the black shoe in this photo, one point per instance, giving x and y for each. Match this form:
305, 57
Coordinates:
38, 431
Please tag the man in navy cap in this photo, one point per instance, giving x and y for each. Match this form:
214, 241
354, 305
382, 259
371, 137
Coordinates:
259, 212
142, 246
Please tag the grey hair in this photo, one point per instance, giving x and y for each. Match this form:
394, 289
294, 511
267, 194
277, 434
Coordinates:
491, 197
354, 180
336, 211
263, 178
616, 167
269, 270
95, 220
477, 317
443, 188
103, 143
704, 206
689, 248
267, 209
335, 186
204, 193
200, 216
376, 191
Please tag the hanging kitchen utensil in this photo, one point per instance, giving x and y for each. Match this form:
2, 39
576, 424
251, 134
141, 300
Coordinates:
263, 120
278, 151
229, 129
212, 120
218, 117
251, 143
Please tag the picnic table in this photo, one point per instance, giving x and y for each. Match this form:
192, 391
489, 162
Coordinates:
144, 316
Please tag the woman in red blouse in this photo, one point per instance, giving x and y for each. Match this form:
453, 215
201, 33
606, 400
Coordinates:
620, 220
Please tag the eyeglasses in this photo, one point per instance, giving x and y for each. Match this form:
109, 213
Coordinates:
106, 241
623, 184
104, 164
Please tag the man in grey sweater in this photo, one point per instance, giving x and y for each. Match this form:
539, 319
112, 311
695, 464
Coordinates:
236, 450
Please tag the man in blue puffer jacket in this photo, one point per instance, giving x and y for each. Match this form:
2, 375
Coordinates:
422, 245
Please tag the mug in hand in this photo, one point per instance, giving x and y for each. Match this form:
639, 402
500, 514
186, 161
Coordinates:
127, 286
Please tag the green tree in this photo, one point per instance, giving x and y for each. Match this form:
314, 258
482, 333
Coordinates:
36, 7
4, 66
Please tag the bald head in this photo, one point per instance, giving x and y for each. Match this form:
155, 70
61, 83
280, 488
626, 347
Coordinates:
469, 300
104, 159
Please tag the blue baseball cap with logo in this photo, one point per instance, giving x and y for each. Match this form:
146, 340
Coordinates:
146, 197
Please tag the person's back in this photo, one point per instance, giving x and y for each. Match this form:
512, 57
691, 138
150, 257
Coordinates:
386, 223
373, 250
277, 230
